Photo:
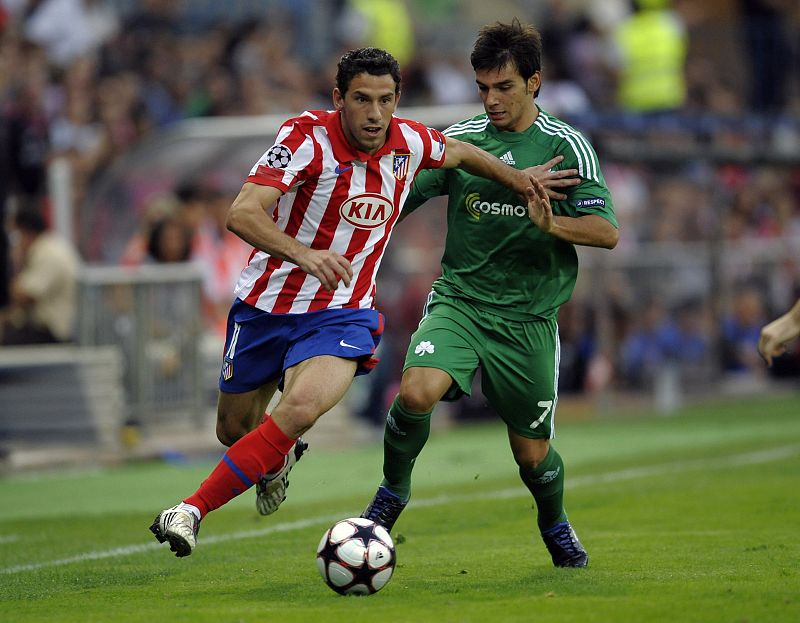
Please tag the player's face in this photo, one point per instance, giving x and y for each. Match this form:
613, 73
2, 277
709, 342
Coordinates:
367, 109
508, 98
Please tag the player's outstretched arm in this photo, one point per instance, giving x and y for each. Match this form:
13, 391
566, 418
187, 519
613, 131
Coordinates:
589, 230
483, 164
777, 333
248, 218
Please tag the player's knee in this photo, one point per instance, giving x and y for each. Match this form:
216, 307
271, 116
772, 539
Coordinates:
530, 455
299, 413
229, 428
417, 398
229, 432
422, 388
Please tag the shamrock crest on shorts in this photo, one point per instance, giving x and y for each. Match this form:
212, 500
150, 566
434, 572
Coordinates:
424, 347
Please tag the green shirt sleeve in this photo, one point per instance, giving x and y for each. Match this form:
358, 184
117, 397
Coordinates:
428, 184
591, 196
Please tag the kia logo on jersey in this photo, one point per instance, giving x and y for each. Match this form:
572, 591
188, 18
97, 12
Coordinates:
366, 211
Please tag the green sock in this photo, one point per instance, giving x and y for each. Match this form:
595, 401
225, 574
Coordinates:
546, 483
403, 439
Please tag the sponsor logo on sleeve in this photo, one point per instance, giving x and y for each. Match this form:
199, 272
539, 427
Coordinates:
591, 202
278, 156
438, 145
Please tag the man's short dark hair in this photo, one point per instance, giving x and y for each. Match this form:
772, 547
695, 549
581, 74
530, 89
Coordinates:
373, 61
501, 44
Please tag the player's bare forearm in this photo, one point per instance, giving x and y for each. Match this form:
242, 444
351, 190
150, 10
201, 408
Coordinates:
248, 218
589, 230
475, 161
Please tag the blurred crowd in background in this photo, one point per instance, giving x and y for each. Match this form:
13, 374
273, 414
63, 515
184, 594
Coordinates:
89, 80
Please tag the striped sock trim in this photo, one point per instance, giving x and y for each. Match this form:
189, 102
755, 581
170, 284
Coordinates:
239, 473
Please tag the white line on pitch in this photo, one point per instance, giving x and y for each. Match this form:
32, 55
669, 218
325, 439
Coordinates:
750, 458
8, 538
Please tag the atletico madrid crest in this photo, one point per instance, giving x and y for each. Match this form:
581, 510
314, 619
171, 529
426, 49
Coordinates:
400, 165
227, 370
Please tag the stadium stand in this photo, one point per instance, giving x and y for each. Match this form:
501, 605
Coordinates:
160, 108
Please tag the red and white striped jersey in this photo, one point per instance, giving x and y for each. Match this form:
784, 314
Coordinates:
335, 197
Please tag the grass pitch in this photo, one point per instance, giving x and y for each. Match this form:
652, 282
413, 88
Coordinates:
689, 518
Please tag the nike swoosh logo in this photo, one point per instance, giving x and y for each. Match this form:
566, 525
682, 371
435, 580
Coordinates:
340, 169
346, 345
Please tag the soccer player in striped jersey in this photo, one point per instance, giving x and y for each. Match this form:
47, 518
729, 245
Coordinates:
507, 268
318, 208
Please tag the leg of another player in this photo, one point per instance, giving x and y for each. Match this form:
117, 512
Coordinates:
408, 425
238, 414
542, 471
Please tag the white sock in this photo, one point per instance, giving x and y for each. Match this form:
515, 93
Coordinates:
191, 508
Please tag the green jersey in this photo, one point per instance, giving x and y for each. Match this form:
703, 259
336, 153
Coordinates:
494, 255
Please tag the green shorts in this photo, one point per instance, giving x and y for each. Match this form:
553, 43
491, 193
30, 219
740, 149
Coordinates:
518, 360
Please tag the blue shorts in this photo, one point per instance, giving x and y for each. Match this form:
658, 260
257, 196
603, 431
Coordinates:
260, 347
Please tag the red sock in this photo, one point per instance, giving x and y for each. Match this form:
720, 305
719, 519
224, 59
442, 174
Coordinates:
257, 453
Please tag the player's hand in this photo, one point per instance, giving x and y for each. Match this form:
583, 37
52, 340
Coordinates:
552, 180
772, 342
327, 266
539, 210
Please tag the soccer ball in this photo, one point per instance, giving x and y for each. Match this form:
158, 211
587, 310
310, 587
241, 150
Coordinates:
356, 557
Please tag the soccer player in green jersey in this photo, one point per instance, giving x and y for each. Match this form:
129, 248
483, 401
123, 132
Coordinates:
507, 268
